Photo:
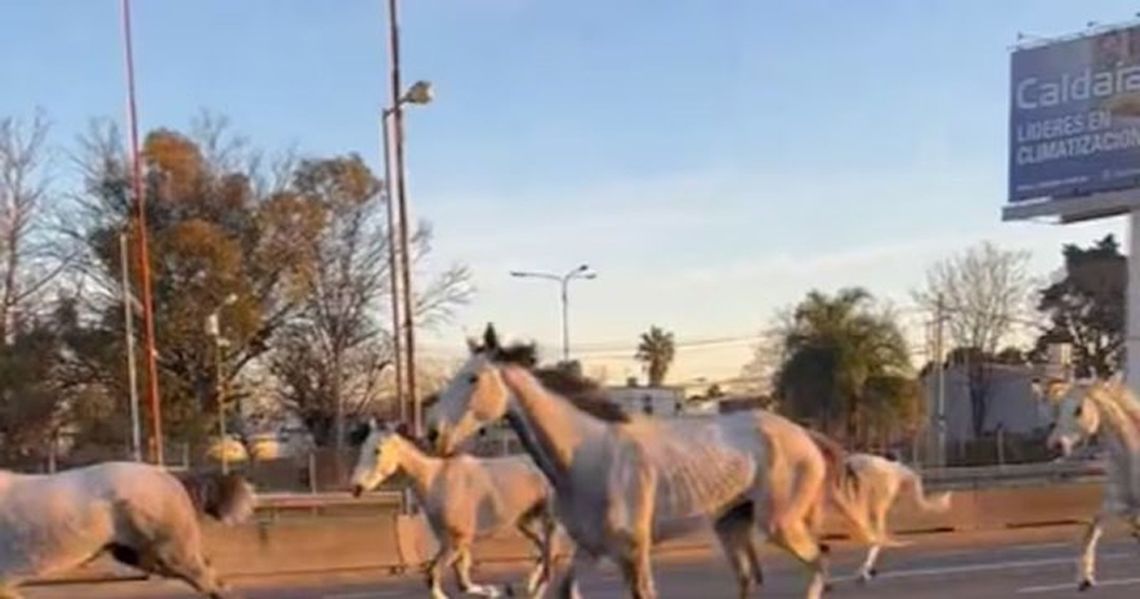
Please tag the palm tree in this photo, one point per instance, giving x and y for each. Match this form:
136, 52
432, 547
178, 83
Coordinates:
655, 352
839, 352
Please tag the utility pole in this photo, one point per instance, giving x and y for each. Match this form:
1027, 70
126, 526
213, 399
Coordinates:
940, 356
156, 441
129, 326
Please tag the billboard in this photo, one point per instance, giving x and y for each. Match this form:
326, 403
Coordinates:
1074, 127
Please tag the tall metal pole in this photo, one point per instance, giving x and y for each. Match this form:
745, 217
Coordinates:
393, 266
156, 444
223, 441
940, 318
566, 318
401, 196
129, 325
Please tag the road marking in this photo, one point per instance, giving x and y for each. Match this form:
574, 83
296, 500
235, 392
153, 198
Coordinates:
1069, 586
970, 568
364, 595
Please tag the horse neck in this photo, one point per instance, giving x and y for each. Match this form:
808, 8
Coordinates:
419, 466
549, 426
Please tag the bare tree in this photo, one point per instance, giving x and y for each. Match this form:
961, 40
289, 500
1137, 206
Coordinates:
984, 296
27, 262
337, 350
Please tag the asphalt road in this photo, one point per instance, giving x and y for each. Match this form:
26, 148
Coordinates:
1030, 564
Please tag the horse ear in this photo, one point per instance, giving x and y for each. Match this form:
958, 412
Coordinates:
490, 338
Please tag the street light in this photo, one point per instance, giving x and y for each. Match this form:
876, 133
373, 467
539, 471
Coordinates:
214, 330
420, 93
582, 272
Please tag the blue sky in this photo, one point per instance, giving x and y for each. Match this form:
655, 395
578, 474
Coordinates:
712, 160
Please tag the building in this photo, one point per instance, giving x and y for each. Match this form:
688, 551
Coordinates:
654, 401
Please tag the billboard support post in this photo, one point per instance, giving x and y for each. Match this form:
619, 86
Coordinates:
1132, 304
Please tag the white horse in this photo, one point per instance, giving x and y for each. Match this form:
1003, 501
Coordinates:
1107, 409
878, 483
139, 514
625, 482
464, 498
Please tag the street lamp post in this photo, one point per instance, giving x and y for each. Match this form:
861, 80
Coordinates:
129, 328
419, 93
582, 272
214, 330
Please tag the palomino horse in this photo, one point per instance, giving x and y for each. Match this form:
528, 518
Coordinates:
1110, 411
623, 483
464, 498
878, 482
139, 514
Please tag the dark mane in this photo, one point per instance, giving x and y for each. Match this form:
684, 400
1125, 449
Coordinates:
584, 393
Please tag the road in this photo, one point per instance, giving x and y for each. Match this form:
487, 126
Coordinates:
1031, 564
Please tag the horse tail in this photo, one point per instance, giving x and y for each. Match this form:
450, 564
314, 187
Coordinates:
932, 504
845, 489
227, 498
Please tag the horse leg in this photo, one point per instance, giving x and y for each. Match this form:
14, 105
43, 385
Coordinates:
179, 560
733, 534
879, 524
544, 541
754, 560
538, 540
443, 558
579, 562
1087, 563
636, 568
794, 538
462, 567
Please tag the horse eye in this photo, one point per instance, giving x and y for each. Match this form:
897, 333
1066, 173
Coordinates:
1077, 412
473, 379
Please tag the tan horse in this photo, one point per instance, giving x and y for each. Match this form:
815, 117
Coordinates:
878, 485
464, 498
139, 514
624, 483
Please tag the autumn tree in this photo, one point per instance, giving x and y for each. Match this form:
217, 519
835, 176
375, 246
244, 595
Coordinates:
215, 230
983, 295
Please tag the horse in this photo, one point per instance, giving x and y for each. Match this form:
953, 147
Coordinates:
625, 482
878, 483
464, 498
139, 514
1107, 409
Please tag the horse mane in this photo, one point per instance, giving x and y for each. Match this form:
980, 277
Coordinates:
1117, 395
582, 392
220, 496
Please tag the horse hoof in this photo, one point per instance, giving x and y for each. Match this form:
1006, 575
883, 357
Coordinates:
863, 578
508, 591
1085, 585
827, 588
873, 573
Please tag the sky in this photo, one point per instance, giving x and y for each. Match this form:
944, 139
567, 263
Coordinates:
712, 161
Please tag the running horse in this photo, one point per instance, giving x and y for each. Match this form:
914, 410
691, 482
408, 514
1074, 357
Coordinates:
1108, 410
624, 483
464, 498
139, 514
